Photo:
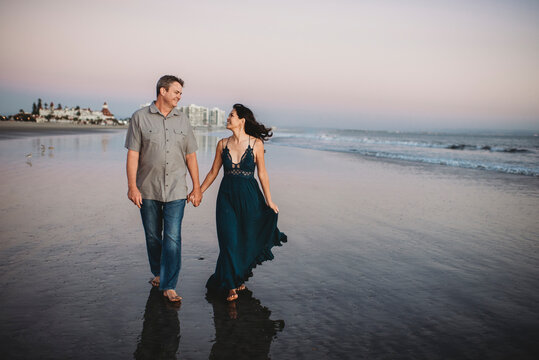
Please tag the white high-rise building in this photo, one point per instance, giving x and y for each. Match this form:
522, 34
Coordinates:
217, 117
201, 116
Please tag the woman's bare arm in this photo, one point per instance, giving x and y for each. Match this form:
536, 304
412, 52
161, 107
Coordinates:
263, 174
214, 171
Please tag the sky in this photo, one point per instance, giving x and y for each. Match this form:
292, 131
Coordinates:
381, 65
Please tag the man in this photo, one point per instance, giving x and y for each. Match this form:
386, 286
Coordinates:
161, 145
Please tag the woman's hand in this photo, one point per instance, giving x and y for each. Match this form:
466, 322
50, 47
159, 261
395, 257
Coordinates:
273, 206
195, 197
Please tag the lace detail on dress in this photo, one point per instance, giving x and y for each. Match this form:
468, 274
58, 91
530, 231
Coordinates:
244, 168
239, 172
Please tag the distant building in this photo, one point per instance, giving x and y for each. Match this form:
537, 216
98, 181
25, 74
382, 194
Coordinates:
201, 116
76, 115
198, 115
105, 110
217, 117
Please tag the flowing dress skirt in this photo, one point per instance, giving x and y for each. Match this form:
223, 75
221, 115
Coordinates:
246, 230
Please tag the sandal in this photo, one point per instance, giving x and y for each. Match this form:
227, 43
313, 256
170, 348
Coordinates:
174, 298
233, 296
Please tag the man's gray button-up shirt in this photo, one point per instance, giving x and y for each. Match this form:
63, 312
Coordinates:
162, 143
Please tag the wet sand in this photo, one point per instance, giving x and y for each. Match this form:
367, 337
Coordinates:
17, 129
385, 260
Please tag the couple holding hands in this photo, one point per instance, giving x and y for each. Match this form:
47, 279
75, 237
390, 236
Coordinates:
161, 150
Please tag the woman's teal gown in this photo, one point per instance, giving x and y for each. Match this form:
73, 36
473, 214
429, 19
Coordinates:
246, 225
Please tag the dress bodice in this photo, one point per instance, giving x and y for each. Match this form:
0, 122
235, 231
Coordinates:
245, 168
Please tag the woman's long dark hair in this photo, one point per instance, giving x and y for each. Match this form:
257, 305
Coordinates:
252, 127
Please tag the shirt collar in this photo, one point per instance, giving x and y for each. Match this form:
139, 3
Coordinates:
155, 110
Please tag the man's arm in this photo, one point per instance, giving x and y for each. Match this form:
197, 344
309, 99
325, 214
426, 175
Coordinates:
133, 192
192, 165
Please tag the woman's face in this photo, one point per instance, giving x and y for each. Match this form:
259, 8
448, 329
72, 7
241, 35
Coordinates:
233, 121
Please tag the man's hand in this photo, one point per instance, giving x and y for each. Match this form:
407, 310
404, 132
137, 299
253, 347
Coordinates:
133, 192
195, 197
134, 195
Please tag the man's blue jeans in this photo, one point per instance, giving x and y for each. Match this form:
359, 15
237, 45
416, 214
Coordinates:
162, 223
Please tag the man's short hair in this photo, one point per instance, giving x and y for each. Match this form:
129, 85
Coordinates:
166, 81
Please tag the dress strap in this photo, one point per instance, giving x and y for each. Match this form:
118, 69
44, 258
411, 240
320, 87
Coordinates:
227, 140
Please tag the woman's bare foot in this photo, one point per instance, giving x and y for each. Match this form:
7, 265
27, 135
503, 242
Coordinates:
232, 295
241, 287
172, 296
155, 281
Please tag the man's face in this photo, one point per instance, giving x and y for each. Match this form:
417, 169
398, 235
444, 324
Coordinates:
173, 95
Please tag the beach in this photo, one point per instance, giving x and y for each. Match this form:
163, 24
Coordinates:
385, 259
15, 129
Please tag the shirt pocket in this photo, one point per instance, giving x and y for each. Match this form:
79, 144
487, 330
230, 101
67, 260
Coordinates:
180, 137
151, 136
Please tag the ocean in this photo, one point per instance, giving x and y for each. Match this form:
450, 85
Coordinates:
506, 152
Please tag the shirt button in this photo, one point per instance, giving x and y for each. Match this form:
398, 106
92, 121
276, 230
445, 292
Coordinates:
167, 140
167, 174
167, 151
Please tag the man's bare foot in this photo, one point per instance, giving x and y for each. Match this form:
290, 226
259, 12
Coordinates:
155, 281
232, 295
172, 296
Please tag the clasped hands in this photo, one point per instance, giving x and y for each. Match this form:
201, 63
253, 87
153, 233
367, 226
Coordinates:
195, 197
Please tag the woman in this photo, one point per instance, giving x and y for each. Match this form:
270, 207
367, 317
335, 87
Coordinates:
246, 219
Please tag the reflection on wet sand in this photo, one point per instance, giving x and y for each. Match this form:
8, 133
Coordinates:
206, 142
40, 148
104, 143
243, 329
160, 336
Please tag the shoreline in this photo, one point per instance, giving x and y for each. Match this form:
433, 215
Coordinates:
26, 125
33, 127
19, 129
